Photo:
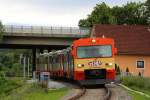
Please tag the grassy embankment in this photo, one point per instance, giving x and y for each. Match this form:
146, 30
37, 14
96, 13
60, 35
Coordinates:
18, 90
139, 84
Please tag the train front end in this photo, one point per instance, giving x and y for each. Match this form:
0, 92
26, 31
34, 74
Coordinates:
94, 60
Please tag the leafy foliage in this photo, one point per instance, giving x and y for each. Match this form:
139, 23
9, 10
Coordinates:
10, 62
147, 14
6, 86
127, 69
131, 13
1, 30
117, 68
100, 15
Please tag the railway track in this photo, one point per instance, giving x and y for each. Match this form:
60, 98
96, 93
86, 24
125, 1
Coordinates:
92, 93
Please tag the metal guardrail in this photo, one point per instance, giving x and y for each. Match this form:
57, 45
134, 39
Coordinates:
45, 30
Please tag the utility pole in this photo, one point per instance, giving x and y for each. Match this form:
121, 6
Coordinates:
24, 67
28, 67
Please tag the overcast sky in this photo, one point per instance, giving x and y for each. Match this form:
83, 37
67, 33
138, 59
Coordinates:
50, 12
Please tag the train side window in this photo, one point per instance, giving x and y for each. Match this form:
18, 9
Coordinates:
140, 64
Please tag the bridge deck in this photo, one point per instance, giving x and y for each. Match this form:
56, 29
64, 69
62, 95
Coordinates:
46, 31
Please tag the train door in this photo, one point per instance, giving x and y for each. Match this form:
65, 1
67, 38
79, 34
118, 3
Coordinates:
65, 65
50, 65
61, 65
71, 65
54, 66
46, 63
68, 65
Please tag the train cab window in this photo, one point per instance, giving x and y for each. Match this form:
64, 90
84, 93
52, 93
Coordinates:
94, 51
140, 64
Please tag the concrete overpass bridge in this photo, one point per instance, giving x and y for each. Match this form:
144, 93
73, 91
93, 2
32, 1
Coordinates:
26, 36
40, 37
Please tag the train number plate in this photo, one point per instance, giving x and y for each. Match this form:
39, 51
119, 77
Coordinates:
95, 63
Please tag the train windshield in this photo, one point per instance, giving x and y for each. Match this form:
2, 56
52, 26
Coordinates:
94, 51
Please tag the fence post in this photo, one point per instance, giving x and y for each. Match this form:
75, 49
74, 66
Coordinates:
24, 67
28, 67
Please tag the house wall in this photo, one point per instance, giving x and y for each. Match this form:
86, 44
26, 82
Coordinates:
129, 61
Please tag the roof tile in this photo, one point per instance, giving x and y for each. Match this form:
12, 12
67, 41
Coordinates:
129, 39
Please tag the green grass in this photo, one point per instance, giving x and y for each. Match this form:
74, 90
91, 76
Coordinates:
50, 95
18, 89
35, 92
137, 96
7, 85
137, 83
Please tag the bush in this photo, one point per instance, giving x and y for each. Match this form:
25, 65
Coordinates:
2, 74
6, 86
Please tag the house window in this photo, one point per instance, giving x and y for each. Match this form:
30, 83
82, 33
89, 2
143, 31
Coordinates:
140, 64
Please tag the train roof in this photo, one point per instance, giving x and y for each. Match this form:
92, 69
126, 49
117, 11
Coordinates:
58, 52
93, 41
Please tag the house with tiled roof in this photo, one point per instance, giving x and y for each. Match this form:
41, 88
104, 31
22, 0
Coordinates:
133, 45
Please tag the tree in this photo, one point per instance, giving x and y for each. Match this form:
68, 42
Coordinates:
100, 15
127, 69
1, 30
139, 74
132, 13
10, 61
147, 4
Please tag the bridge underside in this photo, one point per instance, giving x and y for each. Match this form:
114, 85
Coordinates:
34, 49
40, 38
27, 46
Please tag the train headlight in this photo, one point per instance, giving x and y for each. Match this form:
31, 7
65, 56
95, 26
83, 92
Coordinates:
109, 64
93, 40
80, 65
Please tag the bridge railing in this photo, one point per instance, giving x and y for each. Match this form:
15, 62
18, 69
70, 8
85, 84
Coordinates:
46, 30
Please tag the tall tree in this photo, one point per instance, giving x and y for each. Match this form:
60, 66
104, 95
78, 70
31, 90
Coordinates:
100, 15
134, 13
147, 4
131, 13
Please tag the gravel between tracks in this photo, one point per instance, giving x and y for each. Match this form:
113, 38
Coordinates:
94, 94
114, 92
118, 93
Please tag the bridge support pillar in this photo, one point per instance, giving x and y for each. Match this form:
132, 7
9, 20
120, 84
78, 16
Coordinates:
33, 63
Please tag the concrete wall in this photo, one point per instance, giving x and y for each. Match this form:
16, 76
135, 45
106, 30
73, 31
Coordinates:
129, 61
